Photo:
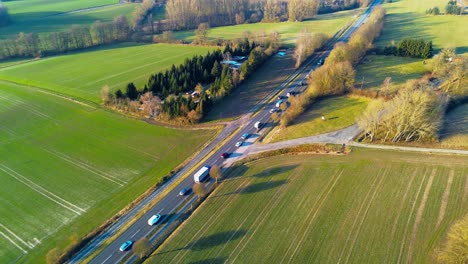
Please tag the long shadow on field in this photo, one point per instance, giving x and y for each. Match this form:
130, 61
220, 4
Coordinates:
262, 186
274, 171
215, 240
211, 261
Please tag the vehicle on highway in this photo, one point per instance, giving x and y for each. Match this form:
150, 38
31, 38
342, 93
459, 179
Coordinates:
258, 125
201, 175
154, 219
320, 62
239, 143
185, 191
126, 245
278, 104
225, 155
245, 136
274, 110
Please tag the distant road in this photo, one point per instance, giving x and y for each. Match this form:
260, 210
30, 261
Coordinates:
172, 205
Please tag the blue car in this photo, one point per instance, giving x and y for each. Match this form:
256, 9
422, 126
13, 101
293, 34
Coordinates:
154, 219
126, 245
245, 136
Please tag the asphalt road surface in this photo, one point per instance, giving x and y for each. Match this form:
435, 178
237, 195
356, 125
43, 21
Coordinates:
173, 204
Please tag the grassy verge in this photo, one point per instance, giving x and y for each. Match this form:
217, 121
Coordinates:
339, 112
373, 70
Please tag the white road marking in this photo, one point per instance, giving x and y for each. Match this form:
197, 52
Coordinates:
107, 258
135, 233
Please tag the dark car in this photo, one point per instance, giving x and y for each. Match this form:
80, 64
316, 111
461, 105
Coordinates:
225, 155
185, 191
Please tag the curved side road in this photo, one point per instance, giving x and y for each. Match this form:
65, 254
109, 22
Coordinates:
344, 136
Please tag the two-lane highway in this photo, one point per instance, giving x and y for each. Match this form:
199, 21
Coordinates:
172, 204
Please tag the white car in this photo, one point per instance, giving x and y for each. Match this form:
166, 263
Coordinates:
239, 143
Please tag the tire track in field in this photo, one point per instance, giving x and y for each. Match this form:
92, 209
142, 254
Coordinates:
327, 188
419, 215
319, 203
27, 244
13, 242
87, 167
465, 193
28, 107
445, 197
133, 69
400, 211
361, 207
403, 242
377, 189
210, 221
263, 216
42, 191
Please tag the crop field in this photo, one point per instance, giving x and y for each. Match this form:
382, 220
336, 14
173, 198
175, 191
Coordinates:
366, 207
407, 19
44, 21
83, 74
339, 112
328, 24
371, 73
66, 167
455, 132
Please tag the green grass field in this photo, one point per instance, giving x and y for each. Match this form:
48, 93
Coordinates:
407, 19
371, 73
455, 132
83, 74
45, 20
65, 167
339, 112
366, 207
328, 24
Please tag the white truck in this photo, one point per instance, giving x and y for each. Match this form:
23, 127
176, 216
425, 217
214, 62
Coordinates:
258, 125
201, 175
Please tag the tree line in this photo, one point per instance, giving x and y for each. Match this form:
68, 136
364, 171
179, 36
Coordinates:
4, 16
306, 44
166, 97
76, 37
415, 112
337, 75
187, 14
450, 9
414, 48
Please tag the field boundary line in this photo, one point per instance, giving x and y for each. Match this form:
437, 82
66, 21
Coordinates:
356, 219
379, 185
419, 215
445, 197
261, 216
465, 193
322, 201
41, 190
13, 242
402, 244
204, 228
16, 236
400, 210
86, 167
